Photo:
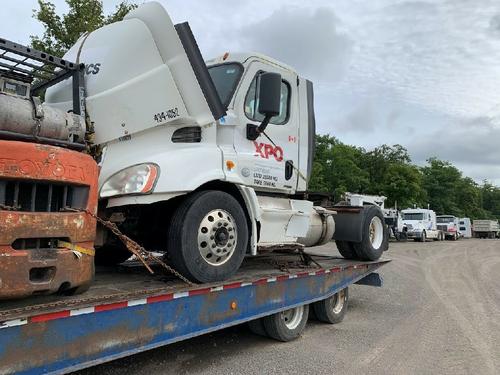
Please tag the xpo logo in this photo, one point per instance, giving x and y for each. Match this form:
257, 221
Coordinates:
265, 150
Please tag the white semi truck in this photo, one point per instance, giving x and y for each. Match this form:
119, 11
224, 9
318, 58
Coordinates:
204, 164
449, 226
421, 224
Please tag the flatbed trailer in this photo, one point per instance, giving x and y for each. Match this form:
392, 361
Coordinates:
128, 311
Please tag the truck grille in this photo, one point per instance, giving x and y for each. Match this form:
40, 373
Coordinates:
36, 196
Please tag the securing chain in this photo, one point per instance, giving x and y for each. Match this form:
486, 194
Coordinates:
140, 252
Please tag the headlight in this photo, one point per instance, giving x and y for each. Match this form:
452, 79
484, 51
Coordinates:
139, 179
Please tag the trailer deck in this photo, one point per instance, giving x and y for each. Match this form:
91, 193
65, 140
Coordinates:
127, 310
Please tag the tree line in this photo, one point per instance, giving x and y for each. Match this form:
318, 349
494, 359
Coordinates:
388, 170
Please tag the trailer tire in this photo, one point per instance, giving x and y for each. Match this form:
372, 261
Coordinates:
332, 309
287, 325
375, 235
346, 249
257, 327
111, 254
208, 236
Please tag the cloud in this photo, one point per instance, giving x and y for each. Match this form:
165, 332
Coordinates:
307, 39
471, 144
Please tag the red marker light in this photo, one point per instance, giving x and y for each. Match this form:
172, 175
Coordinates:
226, 55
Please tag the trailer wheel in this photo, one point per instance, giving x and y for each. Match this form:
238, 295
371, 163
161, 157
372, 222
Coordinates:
375, 239
332, 309
208, 236
346, 249
287, 325
257, 327
111, 254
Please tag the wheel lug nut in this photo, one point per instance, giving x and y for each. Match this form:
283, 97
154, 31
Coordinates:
214, 245
219, 224
212, 237
231, 237
225, 224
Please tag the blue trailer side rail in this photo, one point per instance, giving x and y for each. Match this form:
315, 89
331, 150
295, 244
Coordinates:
59, 337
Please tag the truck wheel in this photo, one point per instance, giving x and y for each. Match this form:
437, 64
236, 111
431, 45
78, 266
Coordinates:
111, 254
208, 236
257, 327
346, 249
287, 325
375, 239
332, 310
424, 237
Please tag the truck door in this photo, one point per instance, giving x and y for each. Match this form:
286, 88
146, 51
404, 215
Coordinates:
268, 162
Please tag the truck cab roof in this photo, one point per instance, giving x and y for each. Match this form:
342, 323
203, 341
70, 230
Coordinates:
244, 57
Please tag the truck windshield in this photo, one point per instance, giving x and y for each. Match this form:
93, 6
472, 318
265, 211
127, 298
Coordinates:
413, 216
225, 78
445, 219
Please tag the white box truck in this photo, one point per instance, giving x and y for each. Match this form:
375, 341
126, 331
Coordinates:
421, 224
465, 227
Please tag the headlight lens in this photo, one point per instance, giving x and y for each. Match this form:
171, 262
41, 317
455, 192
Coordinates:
139, 179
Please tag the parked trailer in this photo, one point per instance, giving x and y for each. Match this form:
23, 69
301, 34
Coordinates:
127, 312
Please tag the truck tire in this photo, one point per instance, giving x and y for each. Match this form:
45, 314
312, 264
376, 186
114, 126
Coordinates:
332, 309
346, 249
375, 236
287, 325
257, 327
208, 236
424, 237
111, 254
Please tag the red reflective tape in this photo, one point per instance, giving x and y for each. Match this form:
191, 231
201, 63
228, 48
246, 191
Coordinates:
197, 292
260, 282
302, 274
50, 316
111, 306
282, 277
161, 298
336, 269
320, 272
232, 285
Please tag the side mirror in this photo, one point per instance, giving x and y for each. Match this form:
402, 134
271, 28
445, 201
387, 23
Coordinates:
269, 94
269, 85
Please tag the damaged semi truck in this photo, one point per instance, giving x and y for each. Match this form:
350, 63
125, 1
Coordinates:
205, 164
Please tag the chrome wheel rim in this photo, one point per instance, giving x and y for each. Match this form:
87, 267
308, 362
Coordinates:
292, 317
217, 237
376, 231
338, 302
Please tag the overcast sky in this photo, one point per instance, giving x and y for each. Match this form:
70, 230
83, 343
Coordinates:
424, 74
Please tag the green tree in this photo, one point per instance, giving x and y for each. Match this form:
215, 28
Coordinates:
62, 31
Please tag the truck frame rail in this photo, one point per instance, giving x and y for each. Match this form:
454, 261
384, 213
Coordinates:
128, 311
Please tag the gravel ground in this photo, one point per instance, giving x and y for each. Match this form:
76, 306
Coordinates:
438, 312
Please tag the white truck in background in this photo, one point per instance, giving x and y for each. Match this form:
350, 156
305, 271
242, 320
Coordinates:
465, 227
448, 225
204, 164
486, 229
421, 224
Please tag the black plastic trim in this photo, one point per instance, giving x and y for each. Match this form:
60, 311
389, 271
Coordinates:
200, 70
311, 125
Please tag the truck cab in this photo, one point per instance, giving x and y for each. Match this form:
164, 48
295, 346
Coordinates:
448, 224
421, 224
206, 162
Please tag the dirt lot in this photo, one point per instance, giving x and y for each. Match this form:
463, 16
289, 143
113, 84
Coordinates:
438, 312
